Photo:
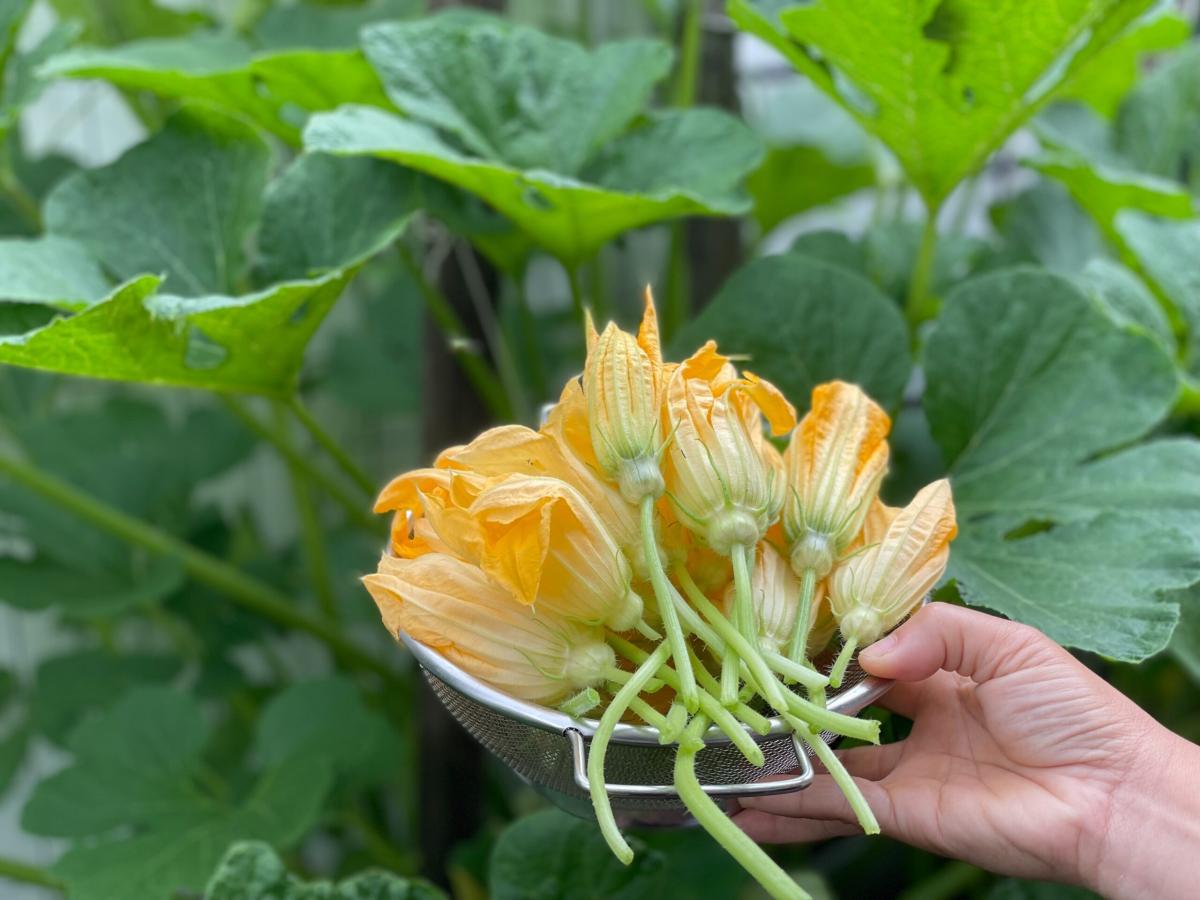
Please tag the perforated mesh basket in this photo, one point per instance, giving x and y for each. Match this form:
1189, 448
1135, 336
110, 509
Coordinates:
548, 748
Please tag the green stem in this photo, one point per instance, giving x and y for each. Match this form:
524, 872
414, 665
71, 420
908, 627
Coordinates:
752, 857
743, 604
576, 287
917, 305
599, 746
689, 54
652, 717
801, 674
677, 718
731, 683
798, 646
355, 509
482, 376
825, 720
858, 803
666, 609
756, 720
843, 659
335, 450
248, 592
310, 533
770, 689
692, 619
27, 874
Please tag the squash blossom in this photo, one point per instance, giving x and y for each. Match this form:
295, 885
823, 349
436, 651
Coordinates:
835, 461
873, 590
774, 594
453, 607
542, 541
430, 512
622, 382
724, 478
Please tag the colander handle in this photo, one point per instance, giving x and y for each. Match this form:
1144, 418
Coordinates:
797, 782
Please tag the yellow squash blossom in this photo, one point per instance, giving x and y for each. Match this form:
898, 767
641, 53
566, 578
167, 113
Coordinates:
622, 382
454, 608
723, 476
873, 590
835, 461
430, 512
542, 541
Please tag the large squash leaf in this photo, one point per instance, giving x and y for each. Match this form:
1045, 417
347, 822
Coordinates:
941, 82
539, 128
1022, 369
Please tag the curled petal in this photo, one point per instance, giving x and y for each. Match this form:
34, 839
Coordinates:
648, 338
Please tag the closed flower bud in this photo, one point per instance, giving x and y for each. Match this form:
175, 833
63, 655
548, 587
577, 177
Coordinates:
452, 607
543, 542
722, 475
836, 459
622, 384
873, 590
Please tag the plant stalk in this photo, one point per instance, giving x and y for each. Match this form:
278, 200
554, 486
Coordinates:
842, 778
917, 305
798, 647
666, 609
13, 870
335, 450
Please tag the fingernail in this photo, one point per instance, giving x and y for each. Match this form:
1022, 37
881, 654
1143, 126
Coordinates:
880, 649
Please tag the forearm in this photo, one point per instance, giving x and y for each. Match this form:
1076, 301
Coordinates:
1151, 847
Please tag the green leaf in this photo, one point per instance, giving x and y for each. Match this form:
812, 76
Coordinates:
12, 754
540, 129
1158, 126
43, 583
794, 179
1043, 224
941, 84
1185, 644
325, 210
1104, 80
891, 250
1165, 250
137, 767
66, 688
320, 26
1022, 367
801, 322
50, 270
328, 720
224, 71
550, 854
8, 688
1126, 299
253, 871
115, 21
183, 203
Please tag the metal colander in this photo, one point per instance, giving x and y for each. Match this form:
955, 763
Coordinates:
548, 748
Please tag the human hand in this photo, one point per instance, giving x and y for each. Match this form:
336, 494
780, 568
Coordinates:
1020, 760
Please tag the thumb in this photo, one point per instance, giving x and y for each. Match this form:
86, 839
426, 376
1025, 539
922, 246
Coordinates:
941, 636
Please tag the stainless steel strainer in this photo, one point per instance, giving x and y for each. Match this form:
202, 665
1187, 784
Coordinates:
548, 748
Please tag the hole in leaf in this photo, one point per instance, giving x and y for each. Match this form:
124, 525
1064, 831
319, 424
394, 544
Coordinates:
202, 351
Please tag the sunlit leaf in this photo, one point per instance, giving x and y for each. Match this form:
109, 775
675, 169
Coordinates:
799, 322
794, 179
1022, 367
121, 20
941, 84
252, 870
136, 767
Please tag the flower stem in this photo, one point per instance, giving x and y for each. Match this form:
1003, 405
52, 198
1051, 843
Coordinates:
842, 778
248, 592
27, 874
743, 603
825, 720
752, 857
355, 508
798, 647
335, 450
731, 683
801, 674
666, 609
599, 746
751, 717
843, 659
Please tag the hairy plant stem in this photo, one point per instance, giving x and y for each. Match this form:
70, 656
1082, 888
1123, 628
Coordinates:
798, 646
917, 306
842, 778
335, 450
757, 722
479, 372
354, 507
249, 592
599, 746
843, 659
752, 857
310, 532
801, 674
13, 870
666, 609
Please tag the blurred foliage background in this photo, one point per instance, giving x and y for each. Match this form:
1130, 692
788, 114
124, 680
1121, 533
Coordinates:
187, 660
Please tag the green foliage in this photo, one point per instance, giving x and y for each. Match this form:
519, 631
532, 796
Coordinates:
810, 322
549, 143
253, 871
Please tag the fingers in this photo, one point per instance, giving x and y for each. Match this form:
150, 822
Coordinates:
940, 636
872, 763
771, 829
822, 801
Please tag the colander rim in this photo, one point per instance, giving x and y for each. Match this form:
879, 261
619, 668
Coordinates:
849, 701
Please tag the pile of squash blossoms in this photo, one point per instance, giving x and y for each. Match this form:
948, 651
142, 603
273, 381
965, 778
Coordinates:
650, 554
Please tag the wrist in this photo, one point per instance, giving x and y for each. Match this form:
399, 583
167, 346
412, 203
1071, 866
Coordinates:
1149, 845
